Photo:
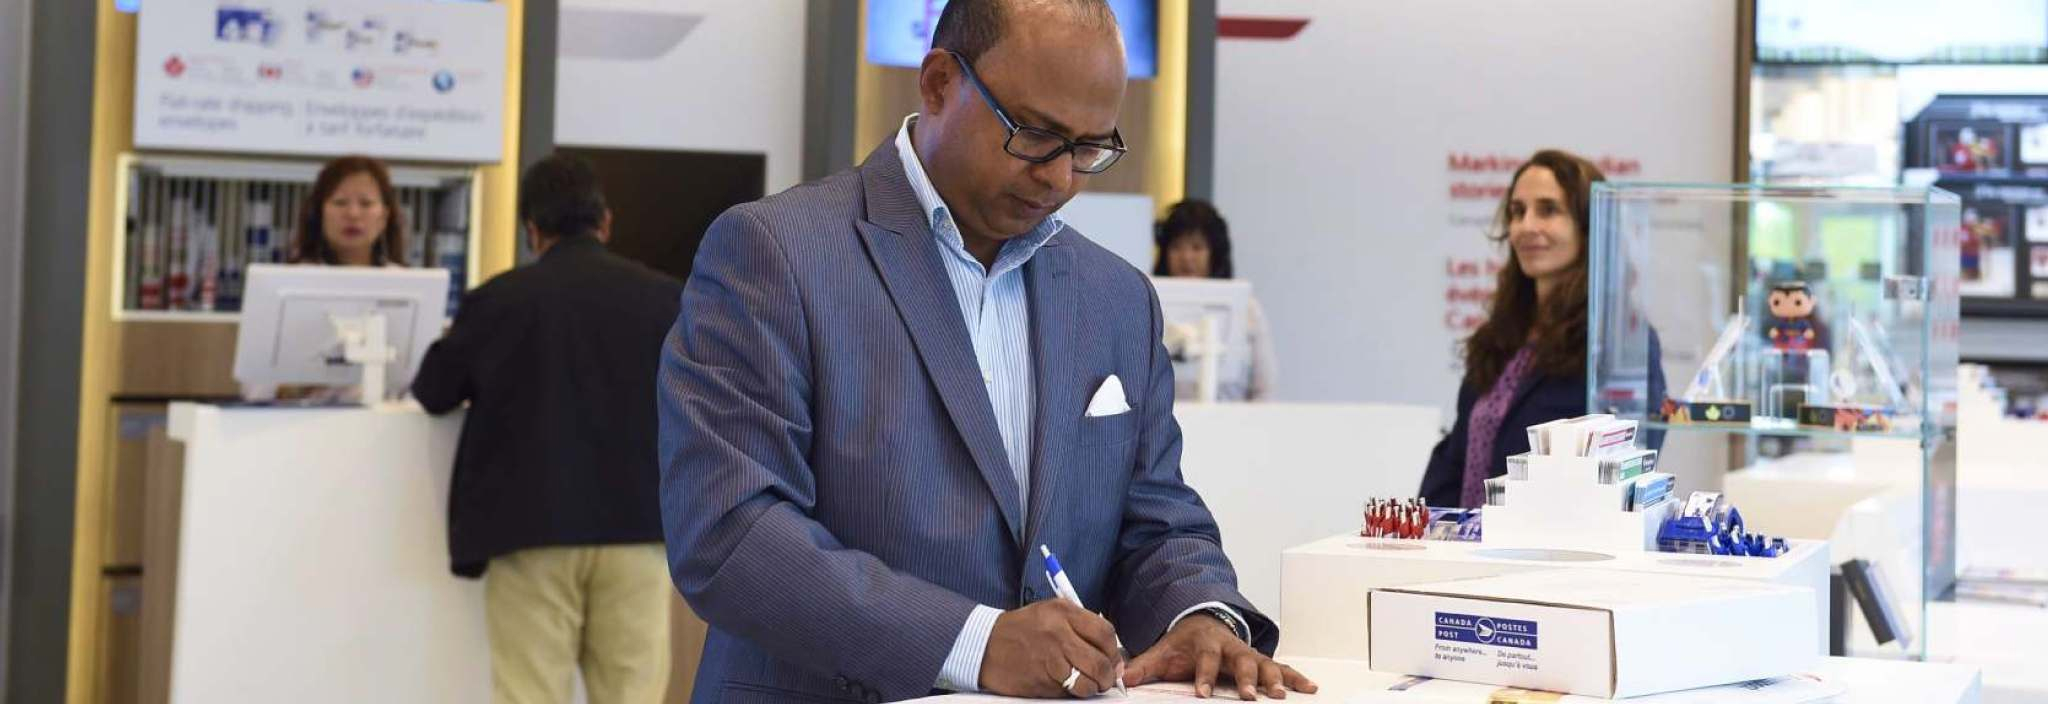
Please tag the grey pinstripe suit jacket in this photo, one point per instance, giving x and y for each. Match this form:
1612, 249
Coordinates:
834, 490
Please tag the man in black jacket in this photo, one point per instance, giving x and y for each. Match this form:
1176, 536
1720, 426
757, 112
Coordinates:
555, 486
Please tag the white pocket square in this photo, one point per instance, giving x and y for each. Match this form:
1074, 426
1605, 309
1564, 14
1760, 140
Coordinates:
1109, 399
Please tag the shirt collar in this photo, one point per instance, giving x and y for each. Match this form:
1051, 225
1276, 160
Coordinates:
1015, 252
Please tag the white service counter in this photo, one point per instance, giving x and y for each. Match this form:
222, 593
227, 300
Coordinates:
313, 554
313, 560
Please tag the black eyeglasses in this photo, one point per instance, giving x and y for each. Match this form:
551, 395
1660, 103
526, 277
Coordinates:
1037, 145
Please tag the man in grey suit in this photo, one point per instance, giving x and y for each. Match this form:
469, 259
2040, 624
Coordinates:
889, 388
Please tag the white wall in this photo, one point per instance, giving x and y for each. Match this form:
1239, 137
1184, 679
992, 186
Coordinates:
1333, 149
1334, 153
694, 75
1120, 222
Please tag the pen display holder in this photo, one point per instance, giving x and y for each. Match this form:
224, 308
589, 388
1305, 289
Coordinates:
1563, 505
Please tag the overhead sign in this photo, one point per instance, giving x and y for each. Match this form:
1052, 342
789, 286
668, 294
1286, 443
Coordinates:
400, 80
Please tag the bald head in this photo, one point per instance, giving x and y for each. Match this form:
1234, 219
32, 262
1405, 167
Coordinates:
971, 27
1055, 66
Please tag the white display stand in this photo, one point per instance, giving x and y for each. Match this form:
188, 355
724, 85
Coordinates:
1562, 504
2008, 641
313, 560
2001, 486
1324, 583
1866, 504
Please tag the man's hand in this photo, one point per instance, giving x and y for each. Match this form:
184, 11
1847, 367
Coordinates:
1200, 648
1032, 650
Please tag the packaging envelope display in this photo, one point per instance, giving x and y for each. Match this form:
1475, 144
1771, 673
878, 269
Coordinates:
1594, 632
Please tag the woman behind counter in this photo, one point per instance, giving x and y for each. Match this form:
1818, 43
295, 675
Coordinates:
1527, 363
351, 218
1194, 241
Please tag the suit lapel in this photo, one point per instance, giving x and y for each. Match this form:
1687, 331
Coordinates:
1054, 343
898, 237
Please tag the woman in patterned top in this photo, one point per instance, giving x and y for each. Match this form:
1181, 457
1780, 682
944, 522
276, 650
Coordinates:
1527, 363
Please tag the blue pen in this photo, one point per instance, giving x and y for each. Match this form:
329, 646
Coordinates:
1065, 589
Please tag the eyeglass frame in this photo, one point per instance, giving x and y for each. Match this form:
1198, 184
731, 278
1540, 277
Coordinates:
1067, 146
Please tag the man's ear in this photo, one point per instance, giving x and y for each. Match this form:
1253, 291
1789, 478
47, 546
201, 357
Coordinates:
935, 78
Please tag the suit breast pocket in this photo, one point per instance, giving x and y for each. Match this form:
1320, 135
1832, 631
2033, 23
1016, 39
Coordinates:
1108, 431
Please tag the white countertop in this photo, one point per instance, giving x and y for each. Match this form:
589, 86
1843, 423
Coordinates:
1350, 681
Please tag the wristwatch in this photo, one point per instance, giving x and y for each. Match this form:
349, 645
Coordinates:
1237, 626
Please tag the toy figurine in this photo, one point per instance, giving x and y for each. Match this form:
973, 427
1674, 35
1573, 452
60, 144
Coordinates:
1792, 325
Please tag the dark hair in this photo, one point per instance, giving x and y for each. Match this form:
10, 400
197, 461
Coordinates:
311, 247
1560, 324
971, 27
1198, 218
561, 197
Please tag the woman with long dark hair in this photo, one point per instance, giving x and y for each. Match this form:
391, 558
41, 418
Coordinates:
1527, 363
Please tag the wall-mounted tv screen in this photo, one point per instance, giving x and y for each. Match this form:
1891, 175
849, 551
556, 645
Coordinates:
900, 32
1902, 32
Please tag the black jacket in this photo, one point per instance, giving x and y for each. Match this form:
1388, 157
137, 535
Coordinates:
557, 360
1540, 399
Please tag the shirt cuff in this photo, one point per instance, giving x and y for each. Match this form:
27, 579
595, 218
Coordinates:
1239, 628
962, 672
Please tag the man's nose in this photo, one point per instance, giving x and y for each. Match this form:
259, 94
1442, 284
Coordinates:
1057, 174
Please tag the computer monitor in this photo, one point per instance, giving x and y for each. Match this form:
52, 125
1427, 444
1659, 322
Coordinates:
298, 322
1194, 310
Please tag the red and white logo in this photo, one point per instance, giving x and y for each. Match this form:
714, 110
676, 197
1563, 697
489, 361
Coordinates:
270, 72
174, 67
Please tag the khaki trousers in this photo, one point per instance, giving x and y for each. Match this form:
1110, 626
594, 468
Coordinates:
599, 609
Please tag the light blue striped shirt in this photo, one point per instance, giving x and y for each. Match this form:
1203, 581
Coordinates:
998, 316
995, 307
997, 310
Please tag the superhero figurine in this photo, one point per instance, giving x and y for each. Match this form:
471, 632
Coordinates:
1792, 325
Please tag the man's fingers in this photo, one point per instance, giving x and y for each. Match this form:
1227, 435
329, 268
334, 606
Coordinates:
1269, 679
1244, 672
1085, 687
1057, 670
1208, 658
1146, 668
1297, 681
1096, 667
1096, 630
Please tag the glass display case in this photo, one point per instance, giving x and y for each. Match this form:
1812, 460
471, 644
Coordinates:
1817, 328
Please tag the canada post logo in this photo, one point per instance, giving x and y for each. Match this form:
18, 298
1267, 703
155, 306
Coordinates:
1486, 630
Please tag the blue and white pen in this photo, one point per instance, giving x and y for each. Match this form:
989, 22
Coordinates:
1065, 589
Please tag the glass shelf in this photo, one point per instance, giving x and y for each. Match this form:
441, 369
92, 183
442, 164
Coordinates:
1767, 428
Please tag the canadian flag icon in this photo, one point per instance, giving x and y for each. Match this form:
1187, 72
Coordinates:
269, 72
174, 67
